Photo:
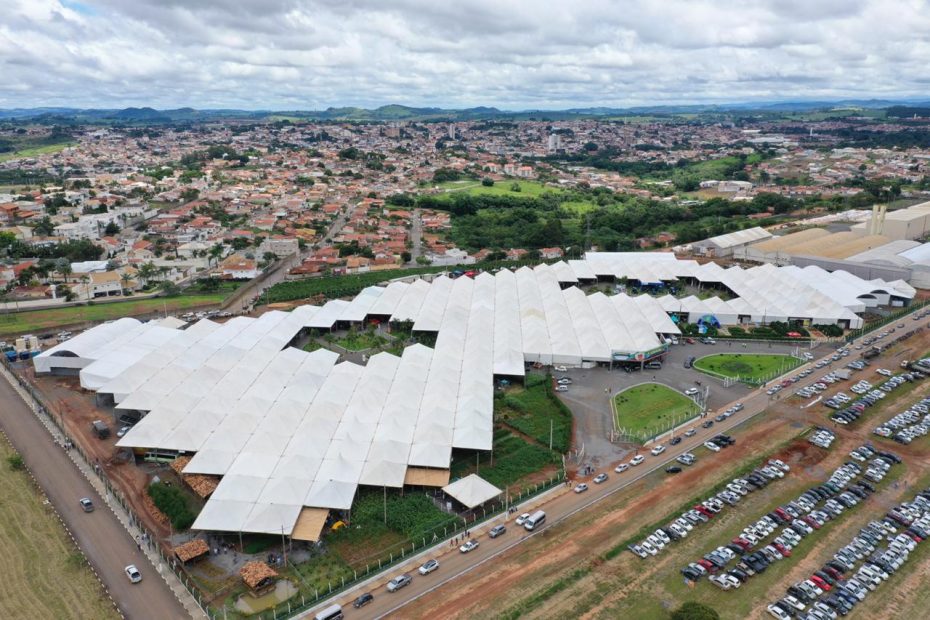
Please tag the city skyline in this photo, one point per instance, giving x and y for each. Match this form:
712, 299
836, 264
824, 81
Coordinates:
517, 56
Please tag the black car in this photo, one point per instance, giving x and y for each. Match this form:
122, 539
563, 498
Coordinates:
674, 469
707, 424
363, 600
675, 441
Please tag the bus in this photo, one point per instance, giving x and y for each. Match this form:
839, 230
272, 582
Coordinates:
333, 612
536, 519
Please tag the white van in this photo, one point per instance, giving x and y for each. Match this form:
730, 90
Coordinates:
536, 519
333, 612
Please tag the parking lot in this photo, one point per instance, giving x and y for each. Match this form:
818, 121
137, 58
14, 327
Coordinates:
589, 394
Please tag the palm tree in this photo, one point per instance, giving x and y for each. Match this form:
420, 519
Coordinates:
126, 279
147, 271
85, 279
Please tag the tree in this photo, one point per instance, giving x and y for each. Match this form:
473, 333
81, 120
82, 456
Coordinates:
45, 227
487, 182
692, 610
190, 194
111, 229
63, 266
240, 243
215, 252
85, 280
125, 278
147, 271
170, 289
406, 256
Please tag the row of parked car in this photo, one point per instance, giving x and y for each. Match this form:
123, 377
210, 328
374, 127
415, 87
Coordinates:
871, 396
817, 386
800, 518
822, 437
709, 508
835, 589
908, 425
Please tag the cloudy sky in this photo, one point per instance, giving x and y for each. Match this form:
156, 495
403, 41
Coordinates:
513, 54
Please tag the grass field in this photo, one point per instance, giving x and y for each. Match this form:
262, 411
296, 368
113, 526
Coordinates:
647, 407
500, 188
39, 321
34, 151
746, 366
532, 410
45, 574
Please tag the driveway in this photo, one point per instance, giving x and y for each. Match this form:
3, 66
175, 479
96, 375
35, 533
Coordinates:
99, 534
589, 395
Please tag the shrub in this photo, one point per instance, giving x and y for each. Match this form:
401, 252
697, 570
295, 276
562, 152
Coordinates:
171, 501
692, 610
16, 462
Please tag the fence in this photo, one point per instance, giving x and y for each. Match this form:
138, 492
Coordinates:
891, 318
288, 608
755, 381
45, 415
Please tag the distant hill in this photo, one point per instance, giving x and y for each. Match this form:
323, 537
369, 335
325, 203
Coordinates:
396, 112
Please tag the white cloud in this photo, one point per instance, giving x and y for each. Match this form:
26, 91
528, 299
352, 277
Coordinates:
512, 54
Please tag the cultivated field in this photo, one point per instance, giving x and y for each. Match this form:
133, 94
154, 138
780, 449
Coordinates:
43, 573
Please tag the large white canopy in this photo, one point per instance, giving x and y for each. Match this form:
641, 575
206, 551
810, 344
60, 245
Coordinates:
472, 490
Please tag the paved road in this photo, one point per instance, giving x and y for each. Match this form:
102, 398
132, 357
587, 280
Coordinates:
416, 236
99, 534
559, 507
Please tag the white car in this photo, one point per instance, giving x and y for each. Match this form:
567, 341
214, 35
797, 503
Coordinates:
657, 450
522, 518
692, 391
622, 467
559, 368
636, 460
777, 612
428, 567
561, 388
581, 488
711, 446
133, 573
469, 546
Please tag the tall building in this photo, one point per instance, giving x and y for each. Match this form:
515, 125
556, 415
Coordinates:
555, 142
452, 131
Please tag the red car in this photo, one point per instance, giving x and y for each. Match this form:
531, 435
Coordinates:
785, 551
810, 522
784, 515
742, 542
823, 585
704, 511
708, 566
689, 340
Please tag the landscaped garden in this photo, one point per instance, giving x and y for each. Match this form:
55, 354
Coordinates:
753, 368
533, 410
649, 408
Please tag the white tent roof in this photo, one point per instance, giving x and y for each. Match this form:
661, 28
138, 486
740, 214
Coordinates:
472, 490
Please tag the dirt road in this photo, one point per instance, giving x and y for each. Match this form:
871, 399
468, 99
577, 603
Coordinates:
104, 541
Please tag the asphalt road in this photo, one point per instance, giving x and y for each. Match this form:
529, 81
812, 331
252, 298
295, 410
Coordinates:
99, 534
563, 506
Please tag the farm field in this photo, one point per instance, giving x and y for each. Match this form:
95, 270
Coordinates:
44, 573
36, 150
746, 366
649, 406
39, 321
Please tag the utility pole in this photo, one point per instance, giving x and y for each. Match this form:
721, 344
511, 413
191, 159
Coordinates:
550, 433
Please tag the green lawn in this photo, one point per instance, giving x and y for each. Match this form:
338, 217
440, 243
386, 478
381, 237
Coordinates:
534, 410
750, 367
359, 341
529, 189
650, 407
34, 151
39, 321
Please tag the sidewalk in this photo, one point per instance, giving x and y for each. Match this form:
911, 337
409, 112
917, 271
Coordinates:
180, 592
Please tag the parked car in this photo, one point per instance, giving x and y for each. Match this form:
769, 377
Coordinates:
657, 450
636, 460
86, 504
561, 388
600, 478
522, 518
674, 469
496, 531
622, 467
581, 488
429, 566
